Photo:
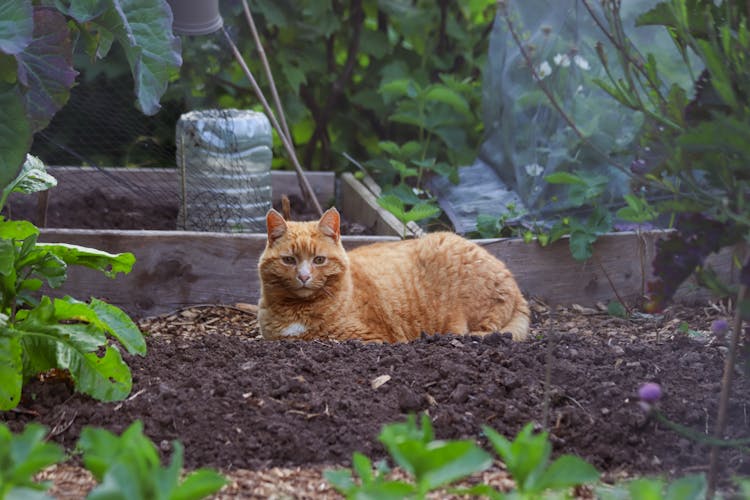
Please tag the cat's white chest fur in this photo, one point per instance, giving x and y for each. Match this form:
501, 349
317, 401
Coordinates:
294, 330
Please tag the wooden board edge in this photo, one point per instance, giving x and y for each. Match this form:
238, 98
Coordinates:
357, 199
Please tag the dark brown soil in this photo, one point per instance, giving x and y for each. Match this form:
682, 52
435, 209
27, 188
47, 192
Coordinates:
239, 402
119, 212
130, 212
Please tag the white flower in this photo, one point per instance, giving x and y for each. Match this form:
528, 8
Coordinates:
544, 70
534, 169
562, 60
581, 62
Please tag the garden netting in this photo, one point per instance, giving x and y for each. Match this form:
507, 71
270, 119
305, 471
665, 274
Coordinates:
527, 138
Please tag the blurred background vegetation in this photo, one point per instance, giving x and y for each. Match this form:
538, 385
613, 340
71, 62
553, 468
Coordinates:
335, 63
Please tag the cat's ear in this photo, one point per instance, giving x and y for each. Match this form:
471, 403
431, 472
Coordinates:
330, 224
276, 225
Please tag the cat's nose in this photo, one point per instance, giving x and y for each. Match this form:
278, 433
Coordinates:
304, 278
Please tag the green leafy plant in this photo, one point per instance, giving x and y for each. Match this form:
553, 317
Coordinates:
333, 58
37, 43
435, 463
21, 457
527, 458
128, 467
489, 226
583, 190
431, 463
38, 334
692, 487
418, 211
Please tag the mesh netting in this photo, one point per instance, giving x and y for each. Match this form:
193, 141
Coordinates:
132, 179
527, 138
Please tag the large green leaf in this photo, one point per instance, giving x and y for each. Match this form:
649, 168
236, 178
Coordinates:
120, 326
564, 178
420, 211
32, 178
128, 466
17, 229
16, 25
105, 377
565, 472
7, 257
45, 69
15, 133
198, 484
62, 321
144, 29
441, 93
22, 456
51, 337
110, 264
85, 10
11, 369
442, 463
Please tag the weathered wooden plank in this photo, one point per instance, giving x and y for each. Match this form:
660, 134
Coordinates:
621, 266
173, 268
164, 182
177, 269
359, 201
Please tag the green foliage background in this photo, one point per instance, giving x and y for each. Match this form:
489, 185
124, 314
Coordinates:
330, 59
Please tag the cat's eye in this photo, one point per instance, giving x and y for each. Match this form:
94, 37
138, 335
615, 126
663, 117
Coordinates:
289, 260
319, 260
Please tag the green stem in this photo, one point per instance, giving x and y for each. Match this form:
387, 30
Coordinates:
726, 386
702, 438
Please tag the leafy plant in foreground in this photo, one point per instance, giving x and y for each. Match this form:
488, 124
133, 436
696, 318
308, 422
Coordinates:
527, 458
128, 467
38, 334
37, 43
432, 463
21, 457
692, 487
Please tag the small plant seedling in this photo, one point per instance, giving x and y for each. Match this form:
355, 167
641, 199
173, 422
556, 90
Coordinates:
616, 309
691, 487
431, 463
684, 328
371, 484
21, 457
527, 458
128, 467
419, 211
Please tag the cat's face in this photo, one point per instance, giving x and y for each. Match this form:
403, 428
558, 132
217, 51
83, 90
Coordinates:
303, 259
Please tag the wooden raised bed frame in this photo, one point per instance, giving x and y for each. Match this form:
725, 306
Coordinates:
176, 269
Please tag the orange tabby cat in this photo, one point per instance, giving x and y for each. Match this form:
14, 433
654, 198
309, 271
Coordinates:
388, 292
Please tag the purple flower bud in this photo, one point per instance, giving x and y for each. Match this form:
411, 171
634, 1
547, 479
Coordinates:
639, 167
650, 392
720, 327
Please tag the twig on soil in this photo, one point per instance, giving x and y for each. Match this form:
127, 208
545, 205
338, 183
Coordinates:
612, 286
548, 372
202, 306
24, 411
726, 385
61, 427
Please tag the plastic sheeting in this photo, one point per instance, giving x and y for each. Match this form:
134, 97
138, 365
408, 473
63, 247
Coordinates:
526, 138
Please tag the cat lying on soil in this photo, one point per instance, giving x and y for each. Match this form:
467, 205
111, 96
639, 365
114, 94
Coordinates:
311, 288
